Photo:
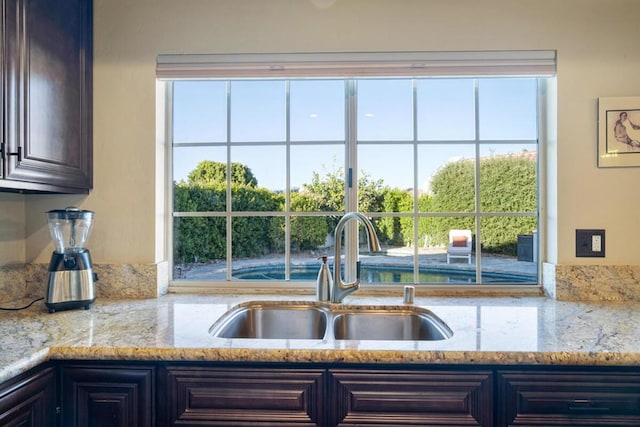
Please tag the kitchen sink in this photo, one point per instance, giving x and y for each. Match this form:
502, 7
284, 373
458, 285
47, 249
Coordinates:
319, 320
272, 321
390, 324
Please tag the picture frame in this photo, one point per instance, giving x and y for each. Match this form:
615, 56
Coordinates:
619, 132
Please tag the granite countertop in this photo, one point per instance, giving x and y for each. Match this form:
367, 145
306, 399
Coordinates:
488, 330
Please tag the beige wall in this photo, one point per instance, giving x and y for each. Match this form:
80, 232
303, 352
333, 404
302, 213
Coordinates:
12, 227
596, 40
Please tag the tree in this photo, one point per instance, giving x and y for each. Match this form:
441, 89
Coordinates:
328, 192
209, 172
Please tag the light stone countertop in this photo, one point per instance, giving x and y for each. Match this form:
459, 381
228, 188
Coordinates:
487, 330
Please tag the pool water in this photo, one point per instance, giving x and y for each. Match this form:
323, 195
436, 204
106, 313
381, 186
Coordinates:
383, 274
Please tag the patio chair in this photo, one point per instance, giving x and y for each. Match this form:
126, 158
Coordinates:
459, 245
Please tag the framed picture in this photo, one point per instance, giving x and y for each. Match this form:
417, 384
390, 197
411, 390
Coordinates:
619, 132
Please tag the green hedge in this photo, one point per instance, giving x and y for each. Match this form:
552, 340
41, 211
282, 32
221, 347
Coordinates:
508, 184
395, 231
307, 232
200, 239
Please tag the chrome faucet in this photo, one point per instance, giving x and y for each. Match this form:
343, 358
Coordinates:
339, 290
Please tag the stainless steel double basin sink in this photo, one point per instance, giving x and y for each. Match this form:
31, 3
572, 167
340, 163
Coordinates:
324, 321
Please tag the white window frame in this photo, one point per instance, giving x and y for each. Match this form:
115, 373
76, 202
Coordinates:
538, 64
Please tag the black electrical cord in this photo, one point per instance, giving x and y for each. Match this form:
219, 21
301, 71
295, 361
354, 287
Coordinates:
22, 308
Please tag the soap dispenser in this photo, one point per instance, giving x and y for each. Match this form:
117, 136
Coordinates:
323, 284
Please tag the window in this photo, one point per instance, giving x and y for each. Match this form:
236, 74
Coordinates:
263, 168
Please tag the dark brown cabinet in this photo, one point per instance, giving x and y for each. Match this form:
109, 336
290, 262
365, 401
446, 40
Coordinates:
29, 400
568, 397
99, 393
46, 141
410, 397
103, 395
240, 397
236, 396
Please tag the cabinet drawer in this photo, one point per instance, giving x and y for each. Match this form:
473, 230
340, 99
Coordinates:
239, 396
411, 397
565, 398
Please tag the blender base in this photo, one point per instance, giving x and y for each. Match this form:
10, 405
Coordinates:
69, 305
69, 289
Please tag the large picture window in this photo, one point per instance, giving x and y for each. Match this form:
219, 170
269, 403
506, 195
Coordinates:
445, 167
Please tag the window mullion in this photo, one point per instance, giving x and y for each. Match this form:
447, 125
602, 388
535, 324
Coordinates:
170, 202
229, 240
351, 177
416, 245
476, 97
287, 185
351, 157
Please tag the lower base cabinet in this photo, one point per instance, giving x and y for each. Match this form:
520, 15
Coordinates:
100, 393
103, 395
245, 396
327, 397
29, 400
419, 396
568, 398
410, 398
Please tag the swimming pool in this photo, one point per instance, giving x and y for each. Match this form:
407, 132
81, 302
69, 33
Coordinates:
384, 274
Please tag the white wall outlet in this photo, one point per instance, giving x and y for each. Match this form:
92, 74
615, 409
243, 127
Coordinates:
596, 243
590, 243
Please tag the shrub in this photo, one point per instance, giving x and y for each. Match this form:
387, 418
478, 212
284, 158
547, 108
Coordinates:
307, 232
201, 239
508, 184
395, 231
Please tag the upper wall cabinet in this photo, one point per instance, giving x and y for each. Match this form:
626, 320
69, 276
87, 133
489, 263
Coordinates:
46, 99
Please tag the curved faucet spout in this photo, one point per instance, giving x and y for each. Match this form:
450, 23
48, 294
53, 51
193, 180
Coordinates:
340, 289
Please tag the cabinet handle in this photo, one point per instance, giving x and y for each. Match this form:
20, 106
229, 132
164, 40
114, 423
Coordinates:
586, 407
18, 153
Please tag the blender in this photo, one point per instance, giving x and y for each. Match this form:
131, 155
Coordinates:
70, 283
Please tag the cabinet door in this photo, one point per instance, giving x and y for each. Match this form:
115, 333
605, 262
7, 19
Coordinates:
12, 86
48, 94
29, 401
245, 397
568, 398
3, 63
108, 396
411, 398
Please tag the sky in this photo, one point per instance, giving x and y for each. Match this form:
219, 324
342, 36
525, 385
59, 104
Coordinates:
445, 111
